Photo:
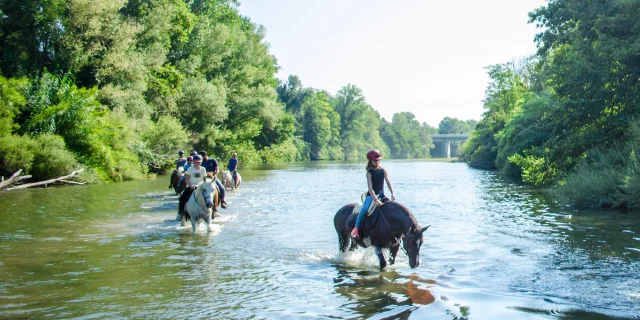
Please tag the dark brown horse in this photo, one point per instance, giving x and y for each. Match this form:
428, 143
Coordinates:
177, 182
393, 223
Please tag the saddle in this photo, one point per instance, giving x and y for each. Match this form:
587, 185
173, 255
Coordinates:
371, 217
358, 208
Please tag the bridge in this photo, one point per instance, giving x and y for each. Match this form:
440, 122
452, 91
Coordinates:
446, 139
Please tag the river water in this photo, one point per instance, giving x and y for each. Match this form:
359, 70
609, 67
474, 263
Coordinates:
494, 250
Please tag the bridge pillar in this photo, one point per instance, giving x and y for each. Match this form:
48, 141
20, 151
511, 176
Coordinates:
446, 145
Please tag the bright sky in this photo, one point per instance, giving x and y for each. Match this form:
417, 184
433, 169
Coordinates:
425, 57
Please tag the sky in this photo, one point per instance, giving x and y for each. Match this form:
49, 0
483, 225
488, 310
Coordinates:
422, 56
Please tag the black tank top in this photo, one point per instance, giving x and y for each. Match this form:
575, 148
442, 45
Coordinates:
377, 179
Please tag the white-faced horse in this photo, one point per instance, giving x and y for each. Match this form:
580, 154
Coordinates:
201, 205
229, 182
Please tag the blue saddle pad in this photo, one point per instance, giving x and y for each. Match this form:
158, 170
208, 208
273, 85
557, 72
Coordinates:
367, 221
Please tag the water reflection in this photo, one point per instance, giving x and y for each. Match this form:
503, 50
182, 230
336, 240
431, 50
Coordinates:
387, 294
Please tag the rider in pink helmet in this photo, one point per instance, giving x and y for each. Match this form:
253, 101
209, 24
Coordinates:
376, 176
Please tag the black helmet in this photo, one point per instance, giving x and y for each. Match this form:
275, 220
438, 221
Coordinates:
193, 153
180, 152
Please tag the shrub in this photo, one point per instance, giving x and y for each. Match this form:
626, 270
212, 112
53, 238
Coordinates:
595, 180
15, 153
51, 158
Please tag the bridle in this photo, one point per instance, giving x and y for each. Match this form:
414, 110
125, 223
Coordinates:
402, 237
201, 194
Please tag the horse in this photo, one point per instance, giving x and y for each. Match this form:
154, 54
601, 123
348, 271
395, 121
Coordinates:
229, 182
176, 178
385, 228
202, 205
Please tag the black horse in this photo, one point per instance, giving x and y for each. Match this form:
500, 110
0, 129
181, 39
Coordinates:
386, 227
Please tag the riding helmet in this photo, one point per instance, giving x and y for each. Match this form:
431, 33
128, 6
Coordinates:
189, 158
197, 158
374, 154
194, 153
180, 152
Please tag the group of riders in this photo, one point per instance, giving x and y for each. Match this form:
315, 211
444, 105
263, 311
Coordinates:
196, 168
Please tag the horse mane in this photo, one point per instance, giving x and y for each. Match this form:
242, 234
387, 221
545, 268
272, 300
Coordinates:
414, 222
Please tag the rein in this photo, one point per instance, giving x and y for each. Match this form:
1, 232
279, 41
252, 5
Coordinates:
197, 198
404, 235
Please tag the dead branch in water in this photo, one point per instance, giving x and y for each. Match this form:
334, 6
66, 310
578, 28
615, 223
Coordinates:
41, 183
15, 177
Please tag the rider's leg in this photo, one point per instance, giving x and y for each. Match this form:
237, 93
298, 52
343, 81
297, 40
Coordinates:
222, 192
184, 197
365, 207
180, 182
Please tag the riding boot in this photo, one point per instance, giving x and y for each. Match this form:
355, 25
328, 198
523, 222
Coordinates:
354, 232
223, 203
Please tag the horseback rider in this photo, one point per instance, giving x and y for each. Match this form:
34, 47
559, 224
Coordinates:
376, 176
180, 162
212, 170
189, 163
193, 177
232, 166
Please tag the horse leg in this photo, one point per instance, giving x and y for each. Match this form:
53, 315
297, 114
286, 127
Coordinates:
380, 255
183, 220
343, 243
194, 223
354, 243
208, 219
393, 250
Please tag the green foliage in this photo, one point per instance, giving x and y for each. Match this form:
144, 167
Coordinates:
480, 150
51, 159
535, 167
406, 137
455, 126
606, 176
12, 99
29, 31
117, 86
504, 97
528, 128
161, 141
15, 154
359, 124
322, 128
201, 104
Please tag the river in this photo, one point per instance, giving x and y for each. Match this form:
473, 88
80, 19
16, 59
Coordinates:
495, 250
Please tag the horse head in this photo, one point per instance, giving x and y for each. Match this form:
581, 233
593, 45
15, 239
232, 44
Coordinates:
208, 191
411, 243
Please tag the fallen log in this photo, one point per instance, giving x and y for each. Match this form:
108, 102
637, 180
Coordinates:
73, 182
34, 184
13, 179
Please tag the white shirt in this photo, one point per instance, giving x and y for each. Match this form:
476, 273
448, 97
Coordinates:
196, 175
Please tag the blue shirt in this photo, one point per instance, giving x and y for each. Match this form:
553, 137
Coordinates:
232, 164
181, 162
211, 165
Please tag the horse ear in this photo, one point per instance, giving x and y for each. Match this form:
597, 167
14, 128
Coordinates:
425, 228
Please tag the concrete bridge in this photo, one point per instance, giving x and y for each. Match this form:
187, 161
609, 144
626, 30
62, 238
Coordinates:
446, 139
